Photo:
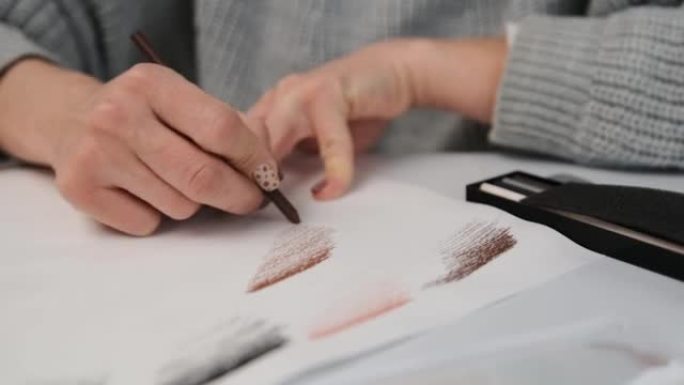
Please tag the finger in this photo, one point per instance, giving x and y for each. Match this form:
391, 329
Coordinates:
335, 145
366, 133
281, 110
199, 176
287, 123
121, 211
256, 119
208, 122
132, 175
258, 127
260, 109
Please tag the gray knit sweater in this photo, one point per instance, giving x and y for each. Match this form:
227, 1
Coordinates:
593, 81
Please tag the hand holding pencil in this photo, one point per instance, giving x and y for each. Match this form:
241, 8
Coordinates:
264, 174
141, 146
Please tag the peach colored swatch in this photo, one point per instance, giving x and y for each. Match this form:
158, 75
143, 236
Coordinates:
368, 307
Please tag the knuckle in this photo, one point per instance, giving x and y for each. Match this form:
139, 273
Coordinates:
295, 91
142, 72
289, 81
161, 149
224, 127
323, 87
70, 187
204, 180
139, 77
262, 107
107, 115
73, 188
75, 178
89, 152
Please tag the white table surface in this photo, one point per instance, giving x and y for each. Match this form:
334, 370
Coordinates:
600, 297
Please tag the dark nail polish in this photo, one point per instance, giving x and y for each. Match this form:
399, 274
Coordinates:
281, 176
319, 187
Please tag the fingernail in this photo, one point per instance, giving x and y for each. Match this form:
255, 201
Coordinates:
318, 187
266, 177
281, 176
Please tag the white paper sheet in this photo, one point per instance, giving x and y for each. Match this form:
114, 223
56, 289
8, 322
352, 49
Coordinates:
82, 304
606, 351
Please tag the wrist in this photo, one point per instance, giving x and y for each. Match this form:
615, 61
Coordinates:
35, 100
458, 75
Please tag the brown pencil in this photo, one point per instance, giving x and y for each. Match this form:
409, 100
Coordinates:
275, 196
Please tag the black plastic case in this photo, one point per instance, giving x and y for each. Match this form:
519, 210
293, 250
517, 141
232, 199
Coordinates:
607, 242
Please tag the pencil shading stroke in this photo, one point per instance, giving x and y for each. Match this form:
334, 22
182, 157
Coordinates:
222, 350
370, 306
294, 251
469, 249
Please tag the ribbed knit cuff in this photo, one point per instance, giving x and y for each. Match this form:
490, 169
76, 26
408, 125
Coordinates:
546, 86
16, 46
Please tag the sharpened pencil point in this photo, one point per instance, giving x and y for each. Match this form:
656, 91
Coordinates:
283, 205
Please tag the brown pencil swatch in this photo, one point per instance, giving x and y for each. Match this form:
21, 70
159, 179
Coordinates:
295, 250
472, 247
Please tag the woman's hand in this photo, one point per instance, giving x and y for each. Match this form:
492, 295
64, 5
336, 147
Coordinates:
346, 103
144, 144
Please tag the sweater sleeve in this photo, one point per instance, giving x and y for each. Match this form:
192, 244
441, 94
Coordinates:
603, 91
16, 46
64, 32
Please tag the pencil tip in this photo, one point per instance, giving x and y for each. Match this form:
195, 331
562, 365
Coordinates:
284, 206
295, 218
292, 214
